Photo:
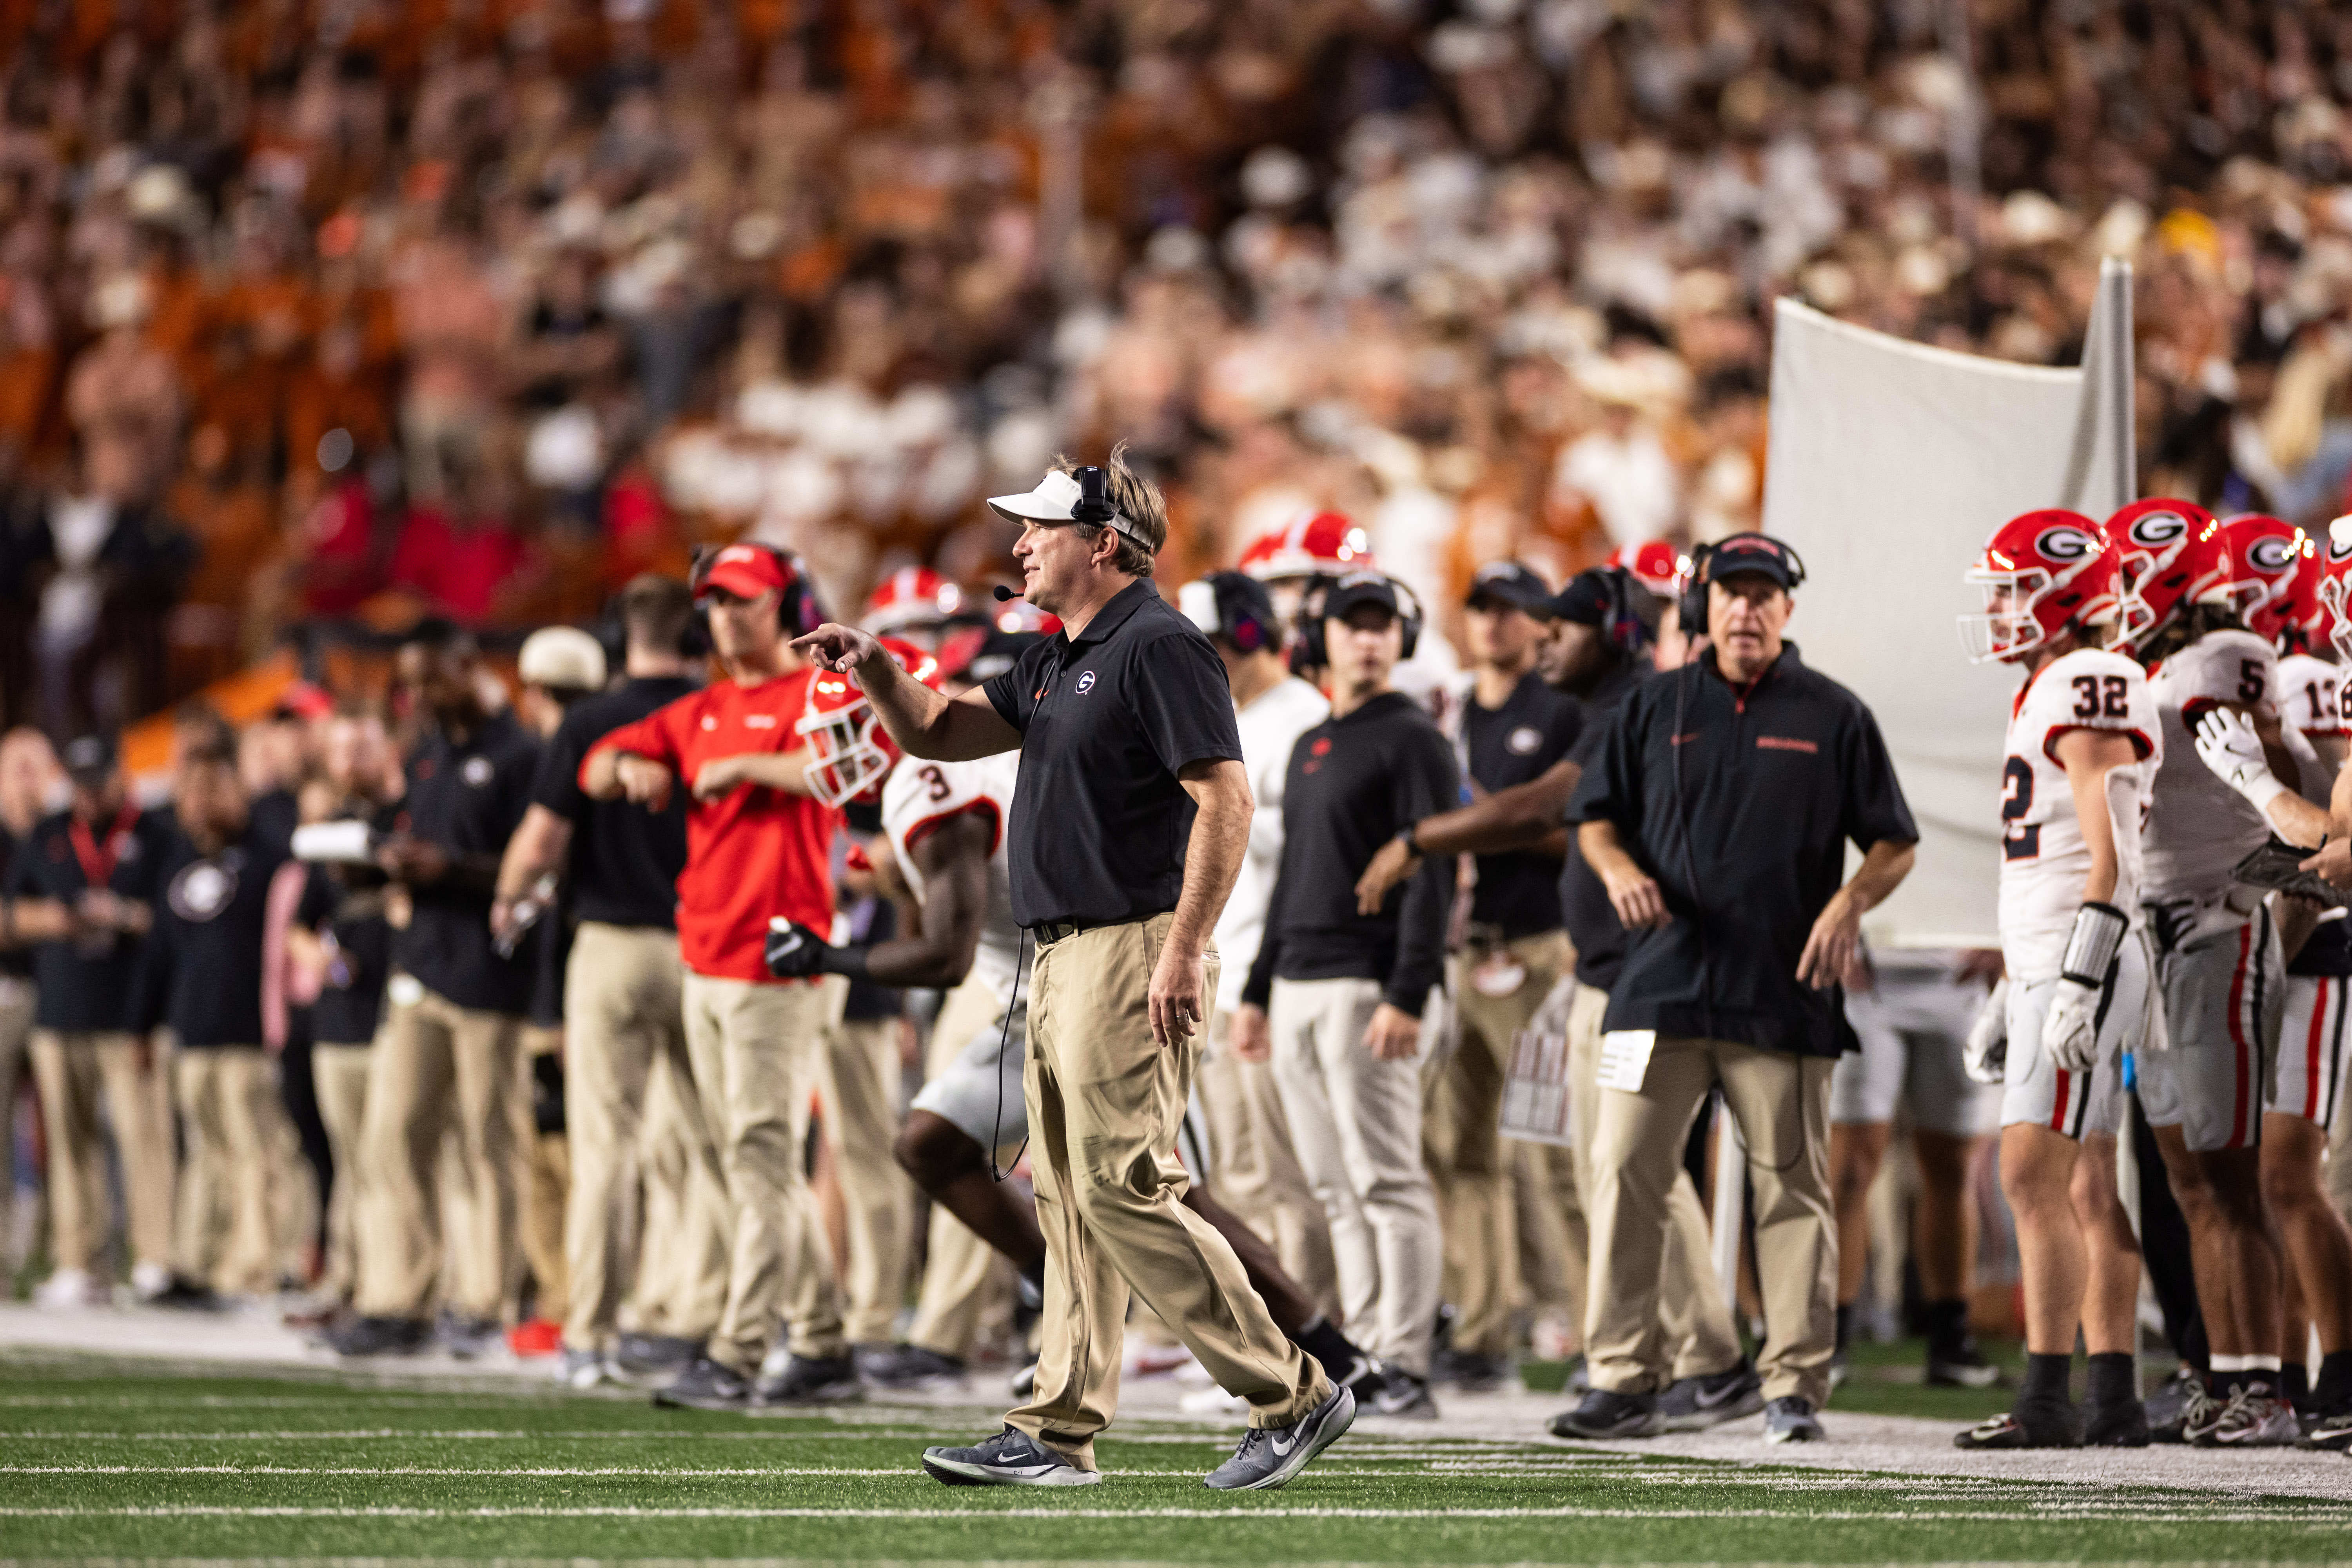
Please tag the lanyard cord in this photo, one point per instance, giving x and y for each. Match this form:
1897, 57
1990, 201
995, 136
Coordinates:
99, 859
1003, 1042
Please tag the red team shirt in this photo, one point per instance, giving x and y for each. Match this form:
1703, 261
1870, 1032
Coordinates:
753, 853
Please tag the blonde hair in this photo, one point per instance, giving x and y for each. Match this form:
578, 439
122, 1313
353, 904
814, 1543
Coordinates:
1139, 500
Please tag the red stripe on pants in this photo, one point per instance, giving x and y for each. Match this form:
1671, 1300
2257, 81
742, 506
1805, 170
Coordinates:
2311, 1053
2058, 1110
2238, 1033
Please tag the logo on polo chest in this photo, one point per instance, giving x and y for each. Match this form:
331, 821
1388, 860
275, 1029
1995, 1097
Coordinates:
1523, 741
1086, 683
477, 772
203, 891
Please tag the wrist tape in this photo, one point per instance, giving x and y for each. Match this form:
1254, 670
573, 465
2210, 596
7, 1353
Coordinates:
2091, 946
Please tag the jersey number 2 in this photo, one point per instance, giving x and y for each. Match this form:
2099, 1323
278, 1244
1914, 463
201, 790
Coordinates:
2020, 841
2096, 697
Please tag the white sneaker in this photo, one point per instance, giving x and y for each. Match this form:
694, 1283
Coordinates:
583, 1370
149, 1280
67, 1289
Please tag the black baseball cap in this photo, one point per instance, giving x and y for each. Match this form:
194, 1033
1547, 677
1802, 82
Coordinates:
1510, 582
1758, 552
1358, 589
1587, 599
89, 759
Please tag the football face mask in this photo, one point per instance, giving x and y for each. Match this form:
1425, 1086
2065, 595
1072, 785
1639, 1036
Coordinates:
850, 751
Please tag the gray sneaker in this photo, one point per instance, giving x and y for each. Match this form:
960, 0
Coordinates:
1008, 1459
1695, 1403
583, 1370
809, 1380
707, 1385
1403, 1395
1605, 1414
1270, 1456
1791, 1419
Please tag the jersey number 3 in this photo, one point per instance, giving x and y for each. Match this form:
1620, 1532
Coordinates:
2020, 841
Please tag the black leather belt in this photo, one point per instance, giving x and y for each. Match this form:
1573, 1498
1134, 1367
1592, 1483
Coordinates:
1049, 931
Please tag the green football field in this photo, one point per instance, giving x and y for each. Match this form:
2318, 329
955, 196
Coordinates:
109, 1460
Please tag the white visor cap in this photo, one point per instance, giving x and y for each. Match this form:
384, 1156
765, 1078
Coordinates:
1053, 500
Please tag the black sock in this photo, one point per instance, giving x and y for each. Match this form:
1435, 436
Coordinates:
2333, 1388
2111, 1378
1844, 1324
2294, 1382
1036, 1274
2046, 1378
1339, 1353
2221, 1385
1948, 1322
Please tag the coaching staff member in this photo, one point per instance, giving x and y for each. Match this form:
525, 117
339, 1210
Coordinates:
1129, 816
1717, 815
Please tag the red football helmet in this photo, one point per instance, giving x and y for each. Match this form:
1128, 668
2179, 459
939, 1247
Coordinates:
1312, 544
2265, 554
1654, 565
2171, 555
850, 751
2042, 573
912, 597
2336, 584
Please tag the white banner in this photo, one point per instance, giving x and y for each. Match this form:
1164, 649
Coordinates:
1890, 463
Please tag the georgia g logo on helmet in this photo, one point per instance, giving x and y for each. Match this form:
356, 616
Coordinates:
2270, 554
2158, 529
2064, 544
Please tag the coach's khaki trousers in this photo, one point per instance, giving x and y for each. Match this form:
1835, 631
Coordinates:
684, 1223
16, 1066
72, 1068
957, 1265
1257, 1171
857, 1086
1781, 1103
438, 1069
225, 1094
546, 1184
754, 1050
1471, 1165
1701, 1339
1105, 1103
1357, 1123
339, 1074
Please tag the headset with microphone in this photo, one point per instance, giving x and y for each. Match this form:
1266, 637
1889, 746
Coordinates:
1693, 602
797, 609
1235, 606
1310, 652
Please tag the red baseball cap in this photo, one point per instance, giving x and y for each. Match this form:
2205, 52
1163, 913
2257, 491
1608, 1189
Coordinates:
746, 571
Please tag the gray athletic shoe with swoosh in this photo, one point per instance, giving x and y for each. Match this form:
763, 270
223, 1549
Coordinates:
1270, 1456
1695, 1403
1009, 1458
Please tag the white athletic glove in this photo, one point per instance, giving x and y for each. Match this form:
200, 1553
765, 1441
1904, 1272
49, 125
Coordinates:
2227, 740
1985, 1053
2070, 1030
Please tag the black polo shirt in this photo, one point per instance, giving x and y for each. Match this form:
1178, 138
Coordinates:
201, 972
1099, 821
93, 988
1776, 779
344, 906
1519, 893
1593, 929
16, 961
625, 860
469, 799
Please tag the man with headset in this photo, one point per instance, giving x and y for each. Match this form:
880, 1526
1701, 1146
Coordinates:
759, 846
1717, 816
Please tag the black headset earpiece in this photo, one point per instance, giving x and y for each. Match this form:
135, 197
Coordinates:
1692, 603
797, 609
1309, 652
1414, 617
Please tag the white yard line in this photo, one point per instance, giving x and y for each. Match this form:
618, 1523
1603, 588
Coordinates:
2334, 1521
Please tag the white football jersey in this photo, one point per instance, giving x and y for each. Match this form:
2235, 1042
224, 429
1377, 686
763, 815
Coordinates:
2044, 857
2308, 696
919, 795
2199, 827
1270, 726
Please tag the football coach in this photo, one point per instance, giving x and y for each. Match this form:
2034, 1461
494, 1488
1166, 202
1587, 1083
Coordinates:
1717, 816
1130, 818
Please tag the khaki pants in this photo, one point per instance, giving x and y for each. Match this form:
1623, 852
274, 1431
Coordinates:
624, 1058
546, 1182
225, 1096
1105, 1103
1257, 1171
957, 1265
1781, 1103
683, 1221
1357, 1123
755, 1050
339, 1076
1701, 1339
70, 1068
1471, 1165
858, 1085
16, 1066
438, 1069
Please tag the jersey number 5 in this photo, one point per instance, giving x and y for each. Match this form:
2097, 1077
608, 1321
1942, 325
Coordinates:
2019, 840
2096, 697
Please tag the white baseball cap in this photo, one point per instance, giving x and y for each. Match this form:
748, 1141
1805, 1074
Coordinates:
1053, 499
563, 657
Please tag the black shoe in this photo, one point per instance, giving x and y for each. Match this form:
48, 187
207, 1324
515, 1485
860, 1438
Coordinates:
706, 1385
2167, 1410
1007, 1459
2123, 1425
1270, 1456
649, 1357
379, 1336
2328, 1429
2034, 1424
1958, 1364
1472, 1371
1403, 1395
906, 1367
810, 1380
1603, 1413
467, 1337
1791, 1419
186, 1295
1695, 1403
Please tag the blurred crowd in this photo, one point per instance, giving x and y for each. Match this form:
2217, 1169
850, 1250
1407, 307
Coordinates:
362, 310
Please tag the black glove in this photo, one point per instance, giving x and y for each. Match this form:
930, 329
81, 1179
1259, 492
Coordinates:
795, 951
